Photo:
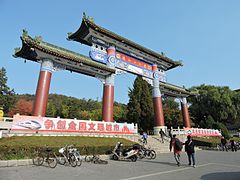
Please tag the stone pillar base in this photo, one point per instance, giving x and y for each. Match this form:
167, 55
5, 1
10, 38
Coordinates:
156, 129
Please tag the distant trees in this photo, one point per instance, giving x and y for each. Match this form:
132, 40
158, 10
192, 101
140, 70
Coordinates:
172, 113
219, 104
22, 106
7, 98
213, 107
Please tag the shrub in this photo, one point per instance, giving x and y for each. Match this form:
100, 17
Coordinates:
24, 147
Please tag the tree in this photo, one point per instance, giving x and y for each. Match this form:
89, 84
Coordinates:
22, 107
7, 95
133, 106
172, 114
220, 103
140, 107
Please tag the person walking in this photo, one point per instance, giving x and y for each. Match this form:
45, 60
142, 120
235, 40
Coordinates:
189, 149
170, 134
224, 143
144, 137
176, 145
233, 145
162, 134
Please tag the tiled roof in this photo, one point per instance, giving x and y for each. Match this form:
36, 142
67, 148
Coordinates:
29, 43
89, 24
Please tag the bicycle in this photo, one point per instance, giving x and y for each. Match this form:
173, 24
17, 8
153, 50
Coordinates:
44, 155
146, 153
67, 156
93, 158
77, 155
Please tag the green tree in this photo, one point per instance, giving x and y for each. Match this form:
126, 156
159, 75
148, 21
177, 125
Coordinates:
140, 107
172, 114
7, 95
220, 103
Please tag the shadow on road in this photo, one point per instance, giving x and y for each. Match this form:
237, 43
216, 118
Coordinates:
164, 163
222, 176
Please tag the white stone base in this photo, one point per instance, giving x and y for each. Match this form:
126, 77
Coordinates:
156, 129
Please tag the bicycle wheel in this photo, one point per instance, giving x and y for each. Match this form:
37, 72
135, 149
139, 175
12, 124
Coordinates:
72, 160
88, 158
152, 154
147, 153
38, 159
52, 161
79, 161
141, 154
61, 159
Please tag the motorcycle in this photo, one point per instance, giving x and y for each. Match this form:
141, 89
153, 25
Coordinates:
124, 154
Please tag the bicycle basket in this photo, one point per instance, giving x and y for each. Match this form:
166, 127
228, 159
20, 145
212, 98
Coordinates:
61, 150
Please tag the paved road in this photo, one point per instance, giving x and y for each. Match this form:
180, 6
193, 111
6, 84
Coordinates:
211, 165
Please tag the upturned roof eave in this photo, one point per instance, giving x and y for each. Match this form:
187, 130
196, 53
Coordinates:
87, 24
28, 43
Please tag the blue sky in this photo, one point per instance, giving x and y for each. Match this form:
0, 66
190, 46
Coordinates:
204, 34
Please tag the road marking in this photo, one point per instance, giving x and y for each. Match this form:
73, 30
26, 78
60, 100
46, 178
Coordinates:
165, 172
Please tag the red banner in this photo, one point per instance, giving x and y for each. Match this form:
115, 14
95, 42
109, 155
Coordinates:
202, 132
45, 124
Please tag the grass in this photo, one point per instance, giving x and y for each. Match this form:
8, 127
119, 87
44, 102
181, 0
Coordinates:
22, 147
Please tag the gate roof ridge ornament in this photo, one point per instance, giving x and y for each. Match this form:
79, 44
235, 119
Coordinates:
35, 49
89, 32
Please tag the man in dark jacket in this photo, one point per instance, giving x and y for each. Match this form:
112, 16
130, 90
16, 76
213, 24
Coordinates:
189, 148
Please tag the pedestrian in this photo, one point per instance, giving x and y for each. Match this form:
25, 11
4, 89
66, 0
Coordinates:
224, 143
162, 134
170, 133
189, 149
233, 145
176, 144
144, 137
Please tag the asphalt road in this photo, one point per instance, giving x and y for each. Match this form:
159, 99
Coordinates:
211, 165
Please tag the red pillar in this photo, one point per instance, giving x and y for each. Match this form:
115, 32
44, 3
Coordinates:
41, 99
108, 96
157, 99
108, 90
158, 111
185, 114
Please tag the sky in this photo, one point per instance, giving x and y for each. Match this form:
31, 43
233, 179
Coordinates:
204, 34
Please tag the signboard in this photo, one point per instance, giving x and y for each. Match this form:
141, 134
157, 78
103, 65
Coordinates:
45, 124
126, 62
202, 132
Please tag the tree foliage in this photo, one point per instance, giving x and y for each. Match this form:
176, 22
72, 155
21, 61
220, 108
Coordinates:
6, 94
22, 107
172, 113
140, 106
215, 104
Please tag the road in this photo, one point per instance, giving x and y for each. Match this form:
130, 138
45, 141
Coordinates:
211, 165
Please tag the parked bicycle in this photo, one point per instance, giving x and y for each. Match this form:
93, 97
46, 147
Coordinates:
66, 155
77, 155
93, 158
145, 152
44, 155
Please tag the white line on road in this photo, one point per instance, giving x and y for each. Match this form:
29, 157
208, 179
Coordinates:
165, 172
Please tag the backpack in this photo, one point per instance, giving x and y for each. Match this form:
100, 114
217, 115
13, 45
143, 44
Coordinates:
178, 145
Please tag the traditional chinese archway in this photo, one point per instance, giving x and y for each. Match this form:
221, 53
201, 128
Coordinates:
110, 55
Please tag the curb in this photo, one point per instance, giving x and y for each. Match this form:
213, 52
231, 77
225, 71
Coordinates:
27, 162
14, 163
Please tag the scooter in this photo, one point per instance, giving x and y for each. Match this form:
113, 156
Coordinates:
125, 154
